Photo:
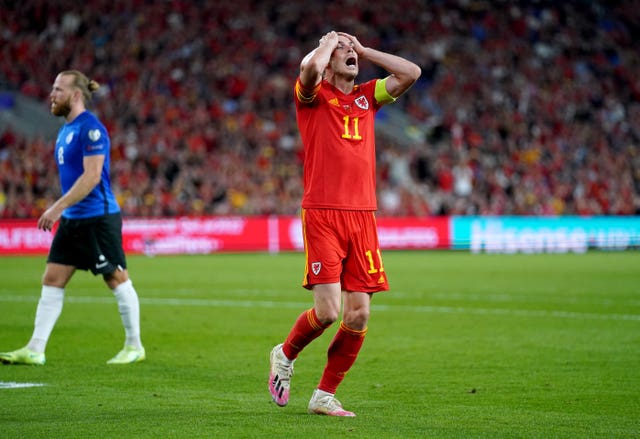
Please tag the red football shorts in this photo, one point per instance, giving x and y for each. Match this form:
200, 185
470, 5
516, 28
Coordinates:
342, 246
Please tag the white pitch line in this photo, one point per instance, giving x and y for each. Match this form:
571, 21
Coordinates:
216, 303
14, 385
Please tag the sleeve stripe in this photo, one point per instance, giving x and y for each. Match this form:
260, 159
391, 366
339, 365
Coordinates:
306, 95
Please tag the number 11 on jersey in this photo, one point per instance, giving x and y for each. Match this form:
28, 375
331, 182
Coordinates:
347, 132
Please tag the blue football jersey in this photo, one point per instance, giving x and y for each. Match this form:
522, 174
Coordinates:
85, 136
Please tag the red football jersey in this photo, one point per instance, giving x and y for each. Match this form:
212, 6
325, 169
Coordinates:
338, 134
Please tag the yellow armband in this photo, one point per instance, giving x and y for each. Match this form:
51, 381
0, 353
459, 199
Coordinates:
381, 93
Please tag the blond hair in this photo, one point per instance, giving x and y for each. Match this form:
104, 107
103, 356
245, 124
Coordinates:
84, 84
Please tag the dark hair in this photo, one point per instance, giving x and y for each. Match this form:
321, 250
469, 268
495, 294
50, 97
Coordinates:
84, 84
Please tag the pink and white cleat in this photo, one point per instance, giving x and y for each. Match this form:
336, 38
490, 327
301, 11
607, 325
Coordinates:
280, 376
323, 403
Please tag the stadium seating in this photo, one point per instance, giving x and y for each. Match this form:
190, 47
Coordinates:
530, 109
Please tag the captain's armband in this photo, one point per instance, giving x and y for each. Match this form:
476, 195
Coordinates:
381, 94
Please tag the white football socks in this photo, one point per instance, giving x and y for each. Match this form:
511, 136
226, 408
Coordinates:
129, 308
47, 313
50, 307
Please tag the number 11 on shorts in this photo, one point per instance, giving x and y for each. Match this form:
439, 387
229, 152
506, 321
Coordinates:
372, 265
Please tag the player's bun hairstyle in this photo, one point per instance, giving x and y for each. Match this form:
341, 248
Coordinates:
84, 84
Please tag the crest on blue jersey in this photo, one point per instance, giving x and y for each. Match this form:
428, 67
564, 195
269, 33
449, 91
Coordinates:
94, 135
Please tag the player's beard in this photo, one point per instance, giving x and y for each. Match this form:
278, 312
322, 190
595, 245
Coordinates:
61, 108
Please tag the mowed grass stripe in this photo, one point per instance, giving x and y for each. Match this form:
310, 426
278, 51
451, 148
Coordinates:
230, 303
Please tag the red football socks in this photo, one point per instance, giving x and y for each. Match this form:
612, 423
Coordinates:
306, 329
342, 353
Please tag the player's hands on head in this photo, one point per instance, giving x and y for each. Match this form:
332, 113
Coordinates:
357, 46
330, 38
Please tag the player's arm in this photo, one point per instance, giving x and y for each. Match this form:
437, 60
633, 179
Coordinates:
84, 184
403, 73
314, 63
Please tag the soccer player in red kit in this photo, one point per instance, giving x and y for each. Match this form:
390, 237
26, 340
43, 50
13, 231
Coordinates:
343, 262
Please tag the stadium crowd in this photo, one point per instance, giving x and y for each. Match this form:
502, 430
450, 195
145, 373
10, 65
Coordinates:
529, 107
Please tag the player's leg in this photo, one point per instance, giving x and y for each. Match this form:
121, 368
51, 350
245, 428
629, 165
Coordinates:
312, 323
341, 355
322, 276
54, 280
59, 269
110, 261
363, 274
129, 309
48, 310
345, 346
308, 326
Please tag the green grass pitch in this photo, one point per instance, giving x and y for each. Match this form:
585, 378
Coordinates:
463, 346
